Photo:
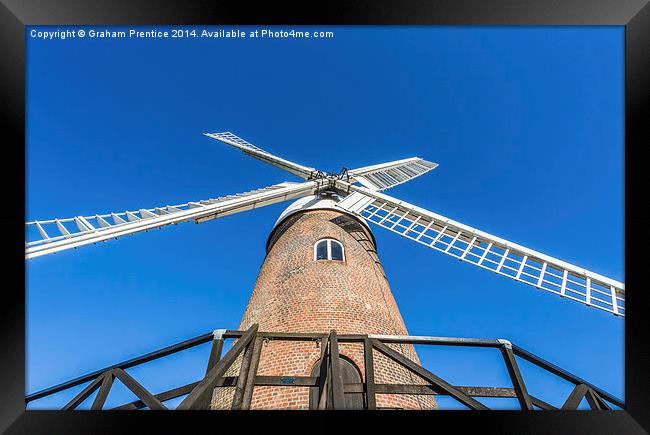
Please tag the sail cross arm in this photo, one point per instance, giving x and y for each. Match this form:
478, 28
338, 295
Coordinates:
486, 250
43, 243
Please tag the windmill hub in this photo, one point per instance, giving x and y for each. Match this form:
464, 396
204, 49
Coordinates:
333, 176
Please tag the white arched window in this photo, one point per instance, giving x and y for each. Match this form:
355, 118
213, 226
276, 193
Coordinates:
329, 249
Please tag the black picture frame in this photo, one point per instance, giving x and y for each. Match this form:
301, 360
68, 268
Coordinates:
16, 14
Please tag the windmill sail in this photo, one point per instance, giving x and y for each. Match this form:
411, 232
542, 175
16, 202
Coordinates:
386, 175
258, 153
54, 235
487, 251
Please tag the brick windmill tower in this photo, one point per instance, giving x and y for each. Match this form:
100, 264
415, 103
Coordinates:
322, 273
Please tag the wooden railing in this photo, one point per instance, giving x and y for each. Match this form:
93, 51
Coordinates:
331, 389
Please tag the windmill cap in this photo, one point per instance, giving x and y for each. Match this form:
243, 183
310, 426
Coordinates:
324, 200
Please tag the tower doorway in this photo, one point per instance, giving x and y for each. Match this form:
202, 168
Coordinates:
350, 374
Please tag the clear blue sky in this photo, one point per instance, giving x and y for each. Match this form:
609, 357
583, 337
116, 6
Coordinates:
526, 124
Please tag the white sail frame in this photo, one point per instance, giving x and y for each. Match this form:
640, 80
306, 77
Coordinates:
386, 175
260, 154
114, 225
486, 250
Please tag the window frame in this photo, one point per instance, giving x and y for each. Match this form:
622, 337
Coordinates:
329, 249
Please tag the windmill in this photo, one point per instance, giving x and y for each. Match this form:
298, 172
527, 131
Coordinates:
331, 215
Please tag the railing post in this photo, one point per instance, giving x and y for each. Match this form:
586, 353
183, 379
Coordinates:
592, 399
200, 396
515, 376
102, 394
252, 372
338, 398
83, 395
215, 350
243, 375
371, 400
324, 374
577, 394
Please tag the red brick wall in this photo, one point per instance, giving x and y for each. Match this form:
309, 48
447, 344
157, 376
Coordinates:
295, 293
